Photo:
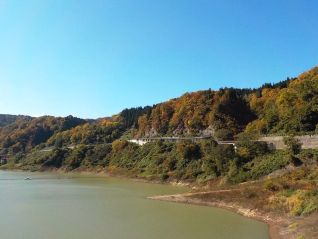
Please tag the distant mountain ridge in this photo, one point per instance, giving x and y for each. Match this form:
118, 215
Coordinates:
6, 119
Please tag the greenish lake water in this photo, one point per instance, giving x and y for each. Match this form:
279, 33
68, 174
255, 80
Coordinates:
54, 206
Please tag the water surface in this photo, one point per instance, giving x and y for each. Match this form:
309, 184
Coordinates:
54, 206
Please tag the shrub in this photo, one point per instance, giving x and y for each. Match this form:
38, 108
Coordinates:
266, 164
188, 150
223, 155
119, 145
224, 134
164, 177
76, 157
298, 202
247, 149
293, 145
271, 186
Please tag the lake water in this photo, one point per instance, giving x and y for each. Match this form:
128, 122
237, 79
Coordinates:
54, 206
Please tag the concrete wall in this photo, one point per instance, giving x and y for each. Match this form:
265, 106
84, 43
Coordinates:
277, 142
308, 141
137, 141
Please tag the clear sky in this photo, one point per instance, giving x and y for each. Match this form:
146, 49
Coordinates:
93, 58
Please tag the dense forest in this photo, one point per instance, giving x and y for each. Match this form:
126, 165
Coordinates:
24, 133
287, 107
193, 113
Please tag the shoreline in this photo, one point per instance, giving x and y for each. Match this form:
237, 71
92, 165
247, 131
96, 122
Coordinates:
275, 225
104, 174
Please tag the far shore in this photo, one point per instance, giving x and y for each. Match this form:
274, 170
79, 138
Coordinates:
101, 172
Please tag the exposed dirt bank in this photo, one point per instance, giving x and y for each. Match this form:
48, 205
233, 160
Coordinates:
280, 226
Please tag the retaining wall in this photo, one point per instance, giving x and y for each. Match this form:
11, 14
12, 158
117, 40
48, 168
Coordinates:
308, 141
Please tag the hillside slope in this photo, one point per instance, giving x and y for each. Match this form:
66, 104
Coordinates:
6, 119
288, 110
25, 133
193, 113
290, 106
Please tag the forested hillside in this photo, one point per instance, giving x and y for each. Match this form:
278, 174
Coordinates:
288, 107
101, 131
9, 119
25, 133
193, 113
21, 134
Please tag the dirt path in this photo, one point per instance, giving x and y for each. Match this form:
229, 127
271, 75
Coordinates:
182, 195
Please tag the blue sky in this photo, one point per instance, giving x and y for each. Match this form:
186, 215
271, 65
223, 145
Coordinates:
94, 58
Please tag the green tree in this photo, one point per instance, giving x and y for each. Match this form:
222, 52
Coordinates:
293, 148
293, 145
224, 134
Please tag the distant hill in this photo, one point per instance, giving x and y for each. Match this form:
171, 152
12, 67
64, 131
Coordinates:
6, 119
23, 132
102, 130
